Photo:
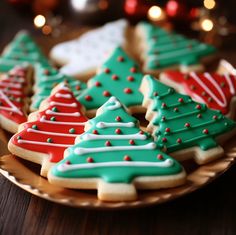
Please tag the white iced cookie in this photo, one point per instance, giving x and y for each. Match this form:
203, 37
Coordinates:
82, 56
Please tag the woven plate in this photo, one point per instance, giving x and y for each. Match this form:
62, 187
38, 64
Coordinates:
26, 175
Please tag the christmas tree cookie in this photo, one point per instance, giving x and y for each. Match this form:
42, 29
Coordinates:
14, 87
120, 77
46, 78
116, 157
84, 55
217, 91
162, 49
48, 132
182, 127
22, 49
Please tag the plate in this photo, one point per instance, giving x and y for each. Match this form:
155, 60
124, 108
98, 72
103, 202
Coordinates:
26, 175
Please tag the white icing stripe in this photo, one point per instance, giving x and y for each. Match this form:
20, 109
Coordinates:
81, 151
136, 136
114, 124
114, 106
75, 114
42, 119
12, 108
177, 53
199, 81
228, 66
11, 84
230, 83
69, 167
65, 96
43, 143
51, 133
12, 92
63, 104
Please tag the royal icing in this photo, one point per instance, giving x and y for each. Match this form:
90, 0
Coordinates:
22, 49
116, 153
13, 94
46, 78
182, 123
56, 127
120, 77
90, 50
215, 90
166, 49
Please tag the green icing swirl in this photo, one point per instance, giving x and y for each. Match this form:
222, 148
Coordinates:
116, 87
174, 110
115, 174
166, 49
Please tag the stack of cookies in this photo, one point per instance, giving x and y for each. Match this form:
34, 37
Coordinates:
77, 121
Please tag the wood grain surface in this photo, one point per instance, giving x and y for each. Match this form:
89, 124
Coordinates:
210, 210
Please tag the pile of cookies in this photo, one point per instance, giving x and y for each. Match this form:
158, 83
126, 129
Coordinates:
78, 124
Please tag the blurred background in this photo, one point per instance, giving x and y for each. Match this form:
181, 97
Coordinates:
213, 21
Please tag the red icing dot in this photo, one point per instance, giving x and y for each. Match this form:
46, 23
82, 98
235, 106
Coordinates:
118, 131
214, 117
179, 140
127, 90
199, 115
97, 84
176, 109
141, 132
131, 142
108, 143
167, 129
46, 71
107, 70
88, 97
155, 93
95, 132
164, 139
120, 58
90, 159
114, 77
118, 118
77, 87
159, 156
106, 93
205, 131
68, 162
187, 124
163, 105
133, 70
130, 78
181, 100
127, 158
198, 106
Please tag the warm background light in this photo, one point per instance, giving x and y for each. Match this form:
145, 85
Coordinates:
207, 25
39, 21
155, 13
209, 4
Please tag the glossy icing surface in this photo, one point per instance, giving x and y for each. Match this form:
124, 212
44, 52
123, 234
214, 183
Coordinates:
165, 49
56, 127
181, 122
115, 153
22, 49
213, 89
47, 78
120, 77
13, 94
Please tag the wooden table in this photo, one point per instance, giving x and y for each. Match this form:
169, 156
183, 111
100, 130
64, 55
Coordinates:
210, 210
